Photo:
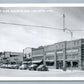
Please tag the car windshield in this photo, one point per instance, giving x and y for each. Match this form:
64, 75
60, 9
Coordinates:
33, 65
40, 66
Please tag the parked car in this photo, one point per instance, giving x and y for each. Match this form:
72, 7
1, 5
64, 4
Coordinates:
25, 64
9, 66
3, 66
33, 67
23, 67
13, 66
16, 66
42, 68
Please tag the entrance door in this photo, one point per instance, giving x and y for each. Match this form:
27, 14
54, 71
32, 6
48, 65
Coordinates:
59, 64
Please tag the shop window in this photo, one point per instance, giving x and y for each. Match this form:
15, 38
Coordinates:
59, 56
82, 56
75, 64
68, 64
50, 63
82, 46
68, 56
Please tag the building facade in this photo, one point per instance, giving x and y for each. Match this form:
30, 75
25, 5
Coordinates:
66, 54
37, 55
50, 56
11, 57
27, 52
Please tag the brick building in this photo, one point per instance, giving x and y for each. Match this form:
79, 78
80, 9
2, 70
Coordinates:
50, 56
37, 55
68, 54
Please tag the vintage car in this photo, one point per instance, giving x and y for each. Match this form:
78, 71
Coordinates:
13, 66
33, 67
42, 68
3, 66
23, 67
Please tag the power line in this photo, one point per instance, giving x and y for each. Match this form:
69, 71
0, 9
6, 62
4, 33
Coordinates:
30, 25
77, 30
47, 27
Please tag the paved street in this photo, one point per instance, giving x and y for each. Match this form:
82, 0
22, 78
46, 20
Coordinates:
50, 73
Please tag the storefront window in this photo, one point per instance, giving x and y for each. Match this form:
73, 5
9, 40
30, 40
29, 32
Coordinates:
68, 64
49, 63
75, 64
49, 60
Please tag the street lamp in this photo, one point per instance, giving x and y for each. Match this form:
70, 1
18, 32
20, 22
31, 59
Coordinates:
71, 33
64, 25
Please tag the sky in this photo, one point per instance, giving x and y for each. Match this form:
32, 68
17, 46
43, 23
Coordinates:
42, 82
16, 38
41, 1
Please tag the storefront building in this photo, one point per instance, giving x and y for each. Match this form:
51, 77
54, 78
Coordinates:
27, 52
50, 56
66, 54
37, 55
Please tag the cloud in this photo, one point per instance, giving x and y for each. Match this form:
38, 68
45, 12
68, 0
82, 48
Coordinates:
15, 38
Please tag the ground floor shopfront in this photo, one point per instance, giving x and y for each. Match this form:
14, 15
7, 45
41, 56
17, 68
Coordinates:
70, 64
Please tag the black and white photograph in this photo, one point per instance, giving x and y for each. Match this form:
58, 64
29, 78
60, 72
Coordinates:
42, 41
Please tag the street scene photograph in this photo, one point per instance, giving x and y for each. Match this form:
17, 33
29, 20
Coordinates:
42, 42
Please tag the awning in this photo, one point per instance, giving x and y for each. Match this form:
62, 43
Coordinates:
49, 60
26, 62
38, 61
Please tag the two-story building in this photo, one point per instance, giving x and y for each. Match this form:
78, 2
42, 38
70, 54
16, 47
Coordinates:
66, 54
37, 55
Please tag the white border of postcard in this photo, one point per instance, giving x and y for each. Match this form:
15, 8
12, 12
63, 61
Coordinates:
42, 78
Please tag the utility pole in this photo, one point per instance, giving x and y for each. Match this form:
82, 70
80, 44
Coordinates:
71, 33
64, 21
